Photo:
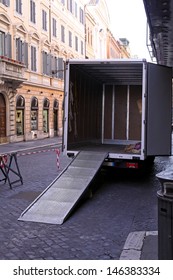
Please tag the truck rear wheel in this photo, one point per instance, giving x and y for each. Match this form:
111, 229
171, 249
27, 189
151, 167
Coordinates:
150, 159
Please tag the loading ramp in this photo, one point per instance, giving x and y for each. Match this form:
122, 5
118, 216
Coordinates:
55, 203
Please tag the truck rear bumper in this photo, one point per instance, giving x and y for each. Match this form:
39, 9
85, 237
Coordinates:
123, 163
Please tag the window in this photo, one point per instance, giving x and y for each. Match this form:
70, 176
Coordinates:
81, 13
5, 44
76, 43
54, 27
82, 47
91, 38
32, 11
57, 67
70, 5
20, 106
33, 59
61, 68
47, 63
62, 33
5, 2
19, 6
2, 43
44, 20
55, 104
70, 39
22, 51
46, 115
63, 2
34, 113
75, 11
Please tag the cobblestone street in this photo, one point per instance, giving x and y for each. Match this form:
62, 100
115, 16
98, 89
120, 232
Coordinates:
98, 227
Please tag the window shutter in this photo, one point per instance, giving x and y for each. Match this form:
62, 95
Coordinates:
32, 58
60, 68
22, 51
8, 45
20, 3
35, 60
44, 62
72, 6
56, 61
76, 9
25, 54
17, 5
34, 13
68, 4
49, 70
7, 3
18, 49
53, 63
43, 19
31, 11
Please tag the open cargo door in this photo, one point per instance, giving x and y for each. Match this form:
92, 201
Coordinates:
159, 102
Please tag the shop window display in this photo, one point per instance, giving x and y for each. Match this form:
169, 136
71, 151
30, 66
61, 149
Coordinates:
34, 113
34, 120
20, 106
46, 115
19, 122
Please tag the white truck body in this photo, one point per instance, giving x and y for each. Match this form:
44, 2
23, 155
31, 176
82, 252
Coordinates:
121, 106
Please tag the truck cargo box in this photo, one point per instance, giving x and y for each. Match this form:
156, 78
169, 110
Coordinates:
120, 106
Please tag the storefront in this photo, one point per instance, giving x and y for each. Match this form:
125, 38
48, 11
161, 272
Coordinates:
26, 116
2, 119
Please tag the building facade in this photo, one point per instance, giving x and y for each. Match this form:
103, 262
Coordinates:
36, 37
97, 23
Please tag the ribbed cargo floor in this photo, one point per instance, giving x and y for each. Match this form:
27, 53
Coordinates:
59, 199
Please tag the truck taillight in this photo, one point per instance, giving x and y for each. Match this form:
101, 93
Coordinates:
132, 165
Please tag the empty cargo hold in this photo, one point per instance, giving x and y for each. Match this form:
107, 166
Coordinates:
105, 105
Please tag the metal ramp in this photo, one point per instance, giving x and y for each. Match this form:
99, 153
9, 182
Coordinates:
55, 203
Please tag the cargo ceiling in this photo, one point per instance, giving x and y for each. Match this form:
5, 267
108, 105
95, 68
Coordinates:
111, 71
160, 19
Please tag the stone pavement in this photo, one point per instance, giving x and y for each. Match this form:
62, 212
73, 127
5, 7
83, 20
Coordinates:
141, 245
38, 241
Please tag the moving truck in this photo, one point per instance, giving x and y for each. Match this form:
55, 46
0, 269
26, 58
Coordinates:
120, 106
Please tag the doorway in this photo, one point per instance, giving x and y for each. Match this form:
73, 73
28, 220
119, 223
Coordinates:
55, 116
2, 119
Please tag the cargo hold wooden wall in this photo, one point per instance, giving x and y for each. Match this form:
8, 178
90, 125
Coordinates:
85, 109
122, 113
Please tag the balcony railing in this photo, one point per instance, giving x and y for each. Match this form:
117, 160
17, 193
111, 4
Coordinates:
11, 71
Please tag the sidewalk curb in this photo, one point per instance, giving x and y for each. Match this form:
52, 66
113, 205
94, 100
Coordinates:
39, 147
134, 243
33, 148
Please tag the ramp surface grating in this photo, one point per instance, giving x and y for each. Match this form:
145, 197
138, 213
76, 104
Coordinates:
58, 200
